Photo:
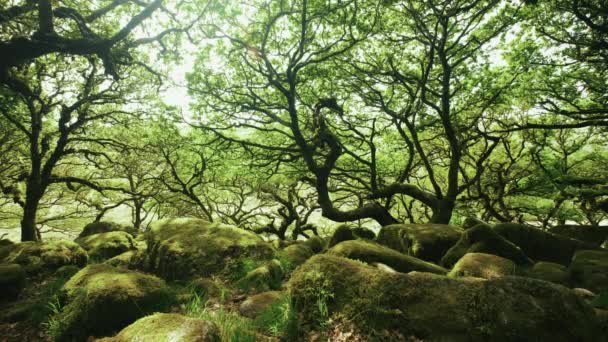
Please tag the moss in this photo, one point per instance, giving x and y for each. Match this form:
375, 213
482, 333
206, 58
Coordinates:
297, 253
6, 242
471, 222
101, 299
549, 271
424, 241
184, 248
342, 232
540, 245
371, 252
256, 304
483, 265
438, 308
43, 256
595, 235
316, 243
364, 233
107, 245
132, 260
206, 287
263, 278
105, 227
482, 239
589, 269
168, 327
12, 280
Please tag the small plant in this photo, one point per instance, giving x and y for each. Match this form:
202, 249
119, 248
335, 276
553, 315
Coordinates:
243, 267
279, 319
317, 295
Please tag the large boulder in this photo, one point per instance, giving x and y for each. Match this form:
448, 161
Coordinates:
133, 260
169, 327
589, 270
98, 227
12, 281
588, 233
266, 277
424, 241
482, 239
371, 252
541, 245
343, 232
185, 248
107, 245
256, 304
38, 257
483, 265
316, 243
549, 271
430, 307
296, 254
101, 299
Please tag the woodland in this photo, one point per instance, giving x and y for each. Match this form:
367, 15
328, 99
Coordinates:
303, 170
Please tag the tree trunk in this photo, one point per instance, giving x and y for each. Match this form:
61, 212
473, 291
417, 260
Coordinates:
137, 215
28, 223
443, 212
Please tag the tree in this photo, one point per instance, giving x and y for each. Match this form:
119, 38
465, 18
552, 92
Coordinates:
339, 99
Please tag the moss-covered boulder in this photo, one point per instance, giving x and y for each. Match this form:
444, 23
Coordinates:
424, 241
296, 254
168, 327
483, 239
483, 265
186, 248
364, 233
12, 281
588, 233
371, 252
44, 256
316, 243
105, 227
101, 299
429, 307
133, 260
206, 287
471, 222
256, 304
541, 245
6, 242
549, 271
107, 245
589, 270
343, 232
266, 277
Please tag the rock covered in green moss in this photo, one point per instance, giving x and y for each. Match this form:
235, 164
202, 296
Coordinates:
316, 243
256, 304
541, 245
424, 241
371, 252
206, 287
185, 248
296, 254
343, 232
437, 308
589, 269
483, 265
133, 260
549, 271
105, 227
595, 235
44, 256
471, 222
364, 233
107, 245
483, 239
12, 281
6, 242
169, 327
266, 277
101, 299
